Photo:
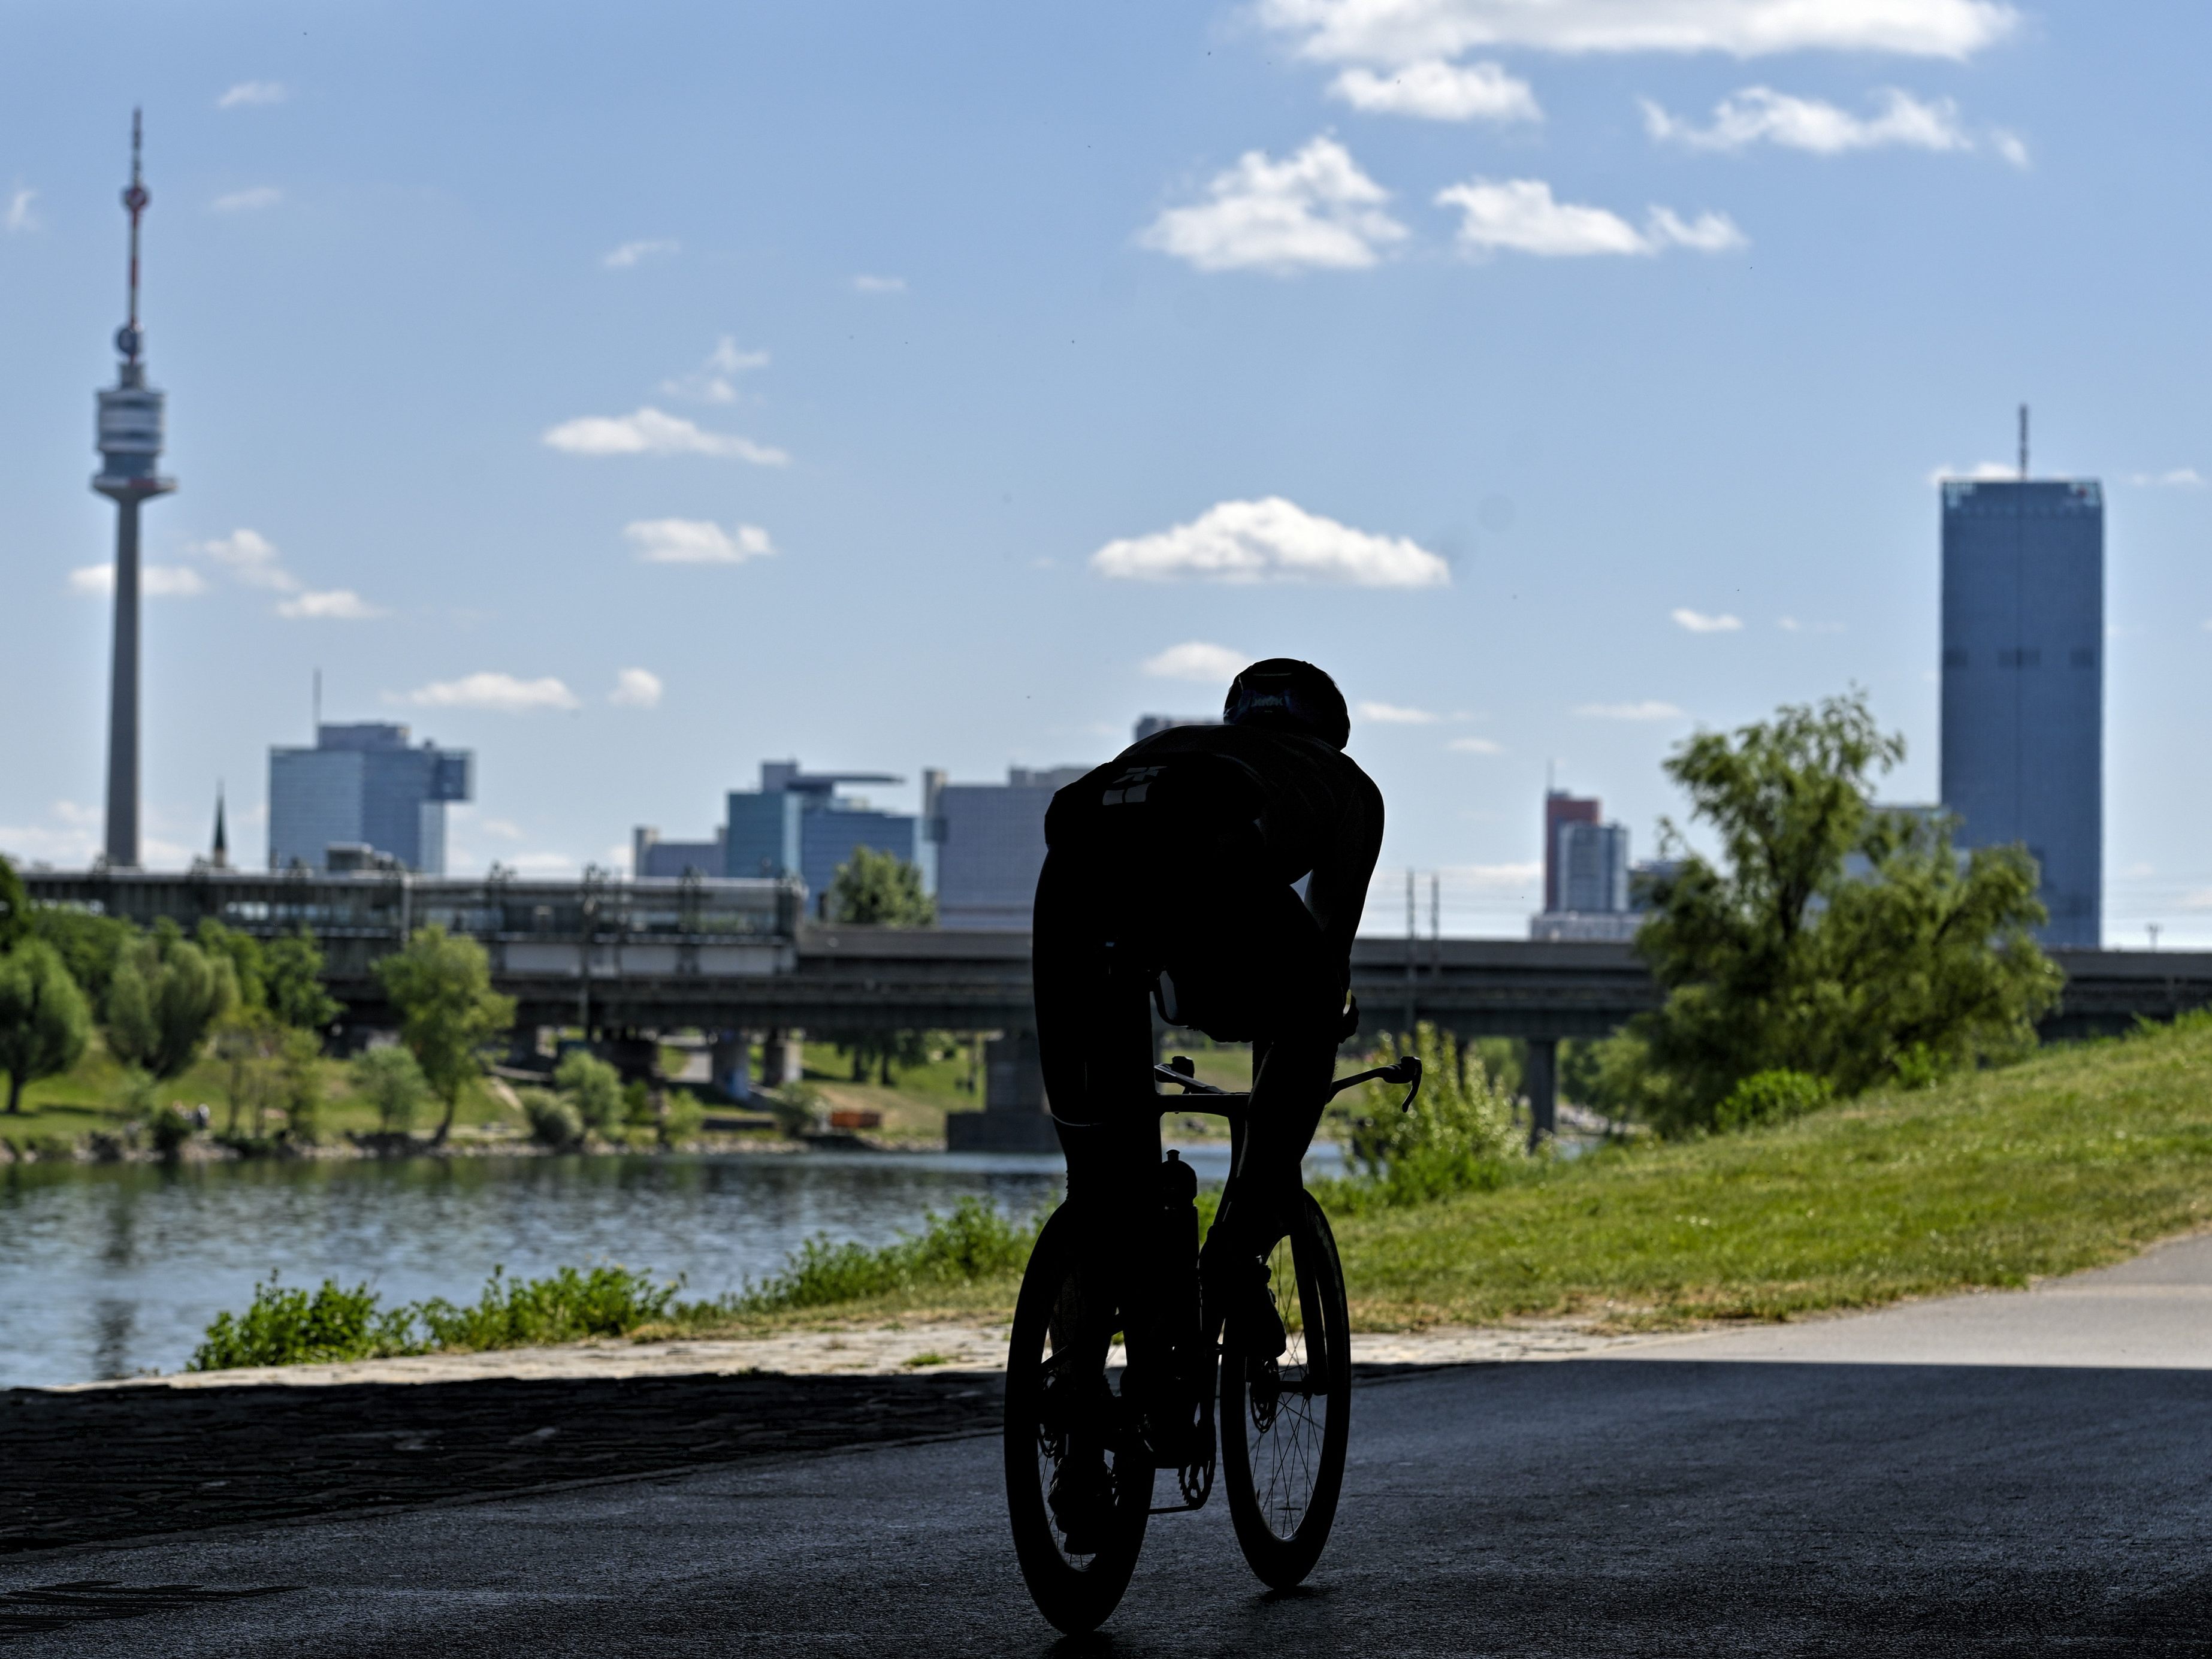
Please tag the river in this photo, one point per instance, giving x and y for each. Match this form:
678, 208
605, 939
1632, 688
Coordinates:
111, 1270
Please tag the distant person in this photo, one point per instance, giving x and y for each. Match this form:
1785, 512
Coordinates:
1217, 872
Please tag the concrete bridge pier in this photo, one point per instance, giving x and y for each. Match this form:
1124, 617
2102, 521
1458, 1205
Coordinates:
729, 1064
783, 1057
1540, 1080
1015, 1115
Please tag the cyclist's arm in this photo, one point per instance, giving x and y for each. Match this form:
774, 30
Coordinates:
1337, 894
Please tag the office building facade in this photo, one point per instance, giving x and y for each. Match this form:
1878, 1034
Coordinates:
1592, 865
1560, 809
2023, 682
364, 786
798, 823
990, 844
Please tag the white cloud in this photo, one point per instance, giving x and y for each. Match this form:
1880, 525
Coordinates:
1195, 659
1980, 472
1699, 623
253, 92
1475, 746
1791, 625
249, 201
878, 285
2199, 900
1435, 91
631, 255
635, 688
73, 841
251, 558
1650, 709
500, 694
1390, 714
1406, 31
2180, 477
505, 829
334, 604
649, 431
695, 541
2011, 146
155, 581
1760, 115
541, 864
1315, 210
712, 382
21, 217
1272, 540
1521, 216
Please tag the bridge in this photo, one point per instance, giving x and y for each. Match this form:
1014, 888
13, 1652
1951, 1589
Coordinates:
737, 956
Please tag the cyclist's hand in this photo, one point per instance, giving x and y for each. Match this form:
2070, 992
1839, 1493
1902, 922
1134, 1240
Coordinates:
1346, 1031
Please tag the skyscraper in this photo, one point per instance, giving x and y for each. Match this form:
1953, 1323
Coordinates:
2023, 686
363, 786
130, 445
1561, 808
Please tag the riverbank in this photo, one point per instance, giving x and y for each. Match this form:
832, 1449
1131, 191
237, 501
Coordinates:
2077, 1158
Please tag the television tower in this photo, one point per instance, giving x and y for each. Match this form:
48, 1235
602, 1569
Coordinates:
130, 444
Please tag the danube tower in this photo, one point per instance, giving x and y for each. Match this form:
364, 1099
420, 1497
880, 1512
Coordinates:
130, 445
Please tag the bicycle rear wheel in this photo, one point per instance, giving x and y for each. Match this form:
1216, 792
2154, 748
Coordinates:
1065, 1422
1284, 1419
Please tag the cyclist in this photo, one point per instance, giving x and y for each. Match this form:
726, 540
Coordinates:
1218, 872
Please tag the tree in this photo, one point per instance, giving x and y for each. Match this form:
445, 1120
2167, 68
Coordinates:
1782, 959
163, 998
440, 987
883, 1051
390, 1080
593, 1087
293, 975
91, 945
15, 908
879, 889
43, 1021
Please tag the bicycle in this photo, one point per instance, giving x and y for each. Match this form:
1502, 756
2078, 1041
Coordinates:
1284, 1387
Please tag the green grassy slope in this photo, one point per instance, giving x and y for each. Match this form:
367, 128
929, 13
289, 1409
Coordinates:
2078, 1156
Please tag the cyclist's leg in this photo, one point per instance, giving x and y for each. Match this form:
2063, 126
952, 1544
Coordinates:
1292, 1063
1092, 976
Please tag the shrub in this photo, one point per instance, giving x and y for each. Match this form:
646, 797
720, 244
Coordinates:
975, 1242
390, 1080
1771, 1097
593, 1087
168, 1128
553, 1121
681, 1118
1459, 1136
513, 1313
287, 1326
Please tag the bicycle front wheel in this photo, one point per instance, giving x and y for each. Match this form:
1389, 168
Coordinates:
1284, 1419
1078, 1483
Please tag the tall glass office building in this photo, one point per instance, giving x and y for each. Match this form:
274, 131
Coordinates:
363, 786
2023, 751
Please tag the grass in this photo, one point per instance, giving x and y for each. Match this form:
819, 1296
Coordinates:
89, 1098
2078, 1156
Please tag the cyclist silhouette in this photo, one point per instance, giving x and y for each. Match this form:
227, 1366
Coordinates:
1217, 872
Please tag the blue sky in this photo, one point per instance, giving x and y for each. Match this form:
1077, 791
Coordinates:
630, 394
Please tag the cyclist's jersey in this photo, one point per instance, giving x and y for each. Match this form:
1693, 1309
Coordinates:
1286, 807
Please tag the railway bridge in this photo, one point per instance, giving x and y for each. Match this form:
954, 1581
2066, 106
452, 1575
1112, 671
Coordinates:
736, 956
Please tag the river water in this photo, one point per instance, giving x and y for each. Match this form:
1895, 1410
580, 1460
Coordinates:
111, 1270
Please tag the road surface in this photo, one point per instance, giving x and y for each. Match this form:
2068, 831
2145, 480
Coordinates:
1997, 1475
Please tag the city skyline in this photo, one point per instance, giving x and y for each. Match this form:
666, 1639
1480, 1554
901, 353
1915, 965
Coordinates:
630, 432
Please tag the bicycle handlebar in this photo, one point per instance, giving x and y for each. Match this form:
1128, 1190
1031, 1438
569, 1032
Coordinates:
1407, 1070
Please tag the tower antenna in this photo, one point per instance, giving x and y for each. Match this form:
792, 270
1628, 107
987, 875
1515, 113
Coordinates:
2023, 443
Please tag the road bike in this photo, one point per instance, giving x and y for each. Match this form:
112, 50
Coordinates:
1082, 1453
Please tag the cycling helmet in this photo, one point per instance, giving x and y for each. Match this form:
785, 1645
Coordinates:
1289, 695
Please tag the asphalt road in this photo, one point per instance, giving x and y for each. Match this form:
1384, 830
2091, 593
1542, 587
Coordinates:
1994, 1474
